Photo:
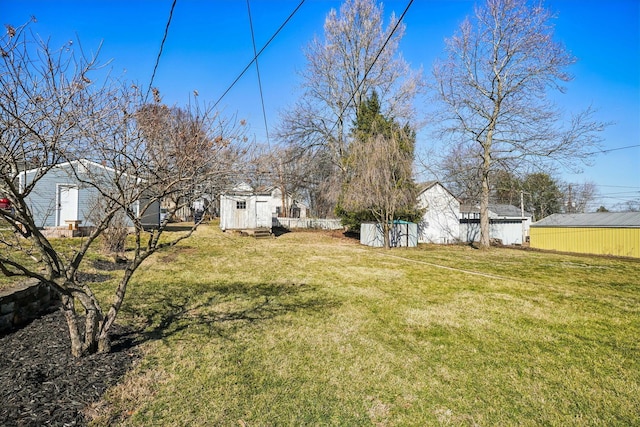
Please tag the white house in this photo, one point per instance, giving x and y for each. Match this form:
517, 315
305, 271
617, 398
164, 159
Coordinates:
440, 222
246, 208
507, 224
279, 205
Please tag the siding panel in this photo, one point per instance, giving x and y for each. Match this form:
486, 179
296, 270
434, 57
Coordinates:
599, 241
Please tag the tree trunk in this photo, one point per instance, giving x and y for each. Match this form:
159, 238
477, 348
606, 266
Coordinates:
485, 238
72, 324
104, 344
284, 211
84, 341
385, 233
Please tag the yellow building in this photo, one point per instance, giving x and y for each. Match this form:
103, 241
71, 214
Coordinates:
602, 233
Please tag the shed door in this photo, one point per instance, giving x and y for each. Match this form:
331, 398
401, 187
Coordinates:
67, 203
263, 214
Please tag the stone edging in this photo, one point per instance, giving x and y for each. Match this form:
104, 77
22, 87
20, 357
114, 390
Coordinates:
22, 303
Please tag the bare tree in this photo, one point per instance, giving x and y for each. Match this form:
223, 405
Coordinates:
182, 140
55, 118
321, 183
493, 91
578, 196
356, 56
285, 167
628, 206
459, 169
381, 181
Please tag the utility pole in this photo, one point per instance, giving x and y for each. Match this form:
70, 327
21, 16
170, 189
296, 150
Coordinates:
522, 215
570, 201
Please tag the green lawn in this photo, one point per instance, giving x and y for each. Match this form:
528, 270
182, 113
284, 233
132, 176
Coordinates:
310, 329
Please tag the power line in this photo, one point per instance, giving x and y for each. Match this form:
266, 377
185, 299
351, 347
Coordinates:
164, 38
253, 40
614, 149
372, 64
618, 186
255, 58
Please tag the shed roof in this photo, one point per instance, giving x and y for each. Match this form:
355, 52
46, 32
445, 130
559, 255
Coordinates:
597, 219
245, 189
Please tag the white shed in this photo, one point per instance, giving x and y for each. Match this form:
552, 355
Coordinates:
244, 209
440, 222
401, 234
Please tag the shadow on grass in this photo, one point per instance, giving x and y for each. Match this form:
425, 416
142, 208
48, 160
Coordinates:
279, 231
223, 309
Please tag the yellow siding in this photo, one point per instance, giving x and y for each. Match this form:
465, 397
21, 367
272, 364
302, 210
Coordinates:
599, 241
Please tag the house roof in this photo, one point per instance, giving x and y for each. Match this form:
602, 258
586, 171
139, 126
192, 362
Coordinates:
498, 210
84, 162
597, 219
428, 184
507, 210
469, 208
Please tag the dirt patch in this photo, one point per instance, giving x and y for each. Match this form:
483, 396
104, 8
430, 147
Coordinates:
92, 277
42, 384
347, 236
108, 265
176, 252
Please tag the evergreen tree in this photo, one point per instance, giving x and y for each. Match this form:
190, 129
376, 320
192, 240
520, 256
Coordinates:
379, 144
543, 197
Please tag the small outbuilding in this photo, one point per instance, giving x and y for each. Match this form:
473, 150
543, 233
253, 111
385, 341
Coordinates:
508, 224
600, 233
246, 208
243, 208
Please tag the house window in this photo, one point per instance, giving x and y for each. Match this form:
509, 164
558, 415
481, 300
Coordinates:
241, 204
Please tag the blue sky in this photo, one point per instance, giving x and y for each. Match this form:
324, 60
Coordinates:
209, 44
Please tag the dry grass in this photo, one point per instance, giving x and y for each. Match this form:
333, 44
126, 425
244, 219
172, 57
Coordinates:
311, 328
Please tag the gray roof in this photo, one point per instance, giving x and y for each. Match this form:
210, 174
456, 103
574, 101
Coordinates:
498, 210
598, 219
507, 210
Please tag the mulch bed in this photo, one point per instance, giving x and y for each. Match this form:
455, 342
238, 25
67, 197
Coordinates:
41, 384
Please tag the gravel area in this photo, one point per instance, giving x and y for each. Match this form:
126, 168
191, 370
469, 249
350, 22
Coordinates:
41, 384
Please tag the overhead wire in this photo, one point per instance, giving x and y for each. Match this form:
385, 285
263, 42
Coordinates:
259, 53
364, 77
164, 39
253, 40
614, 149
